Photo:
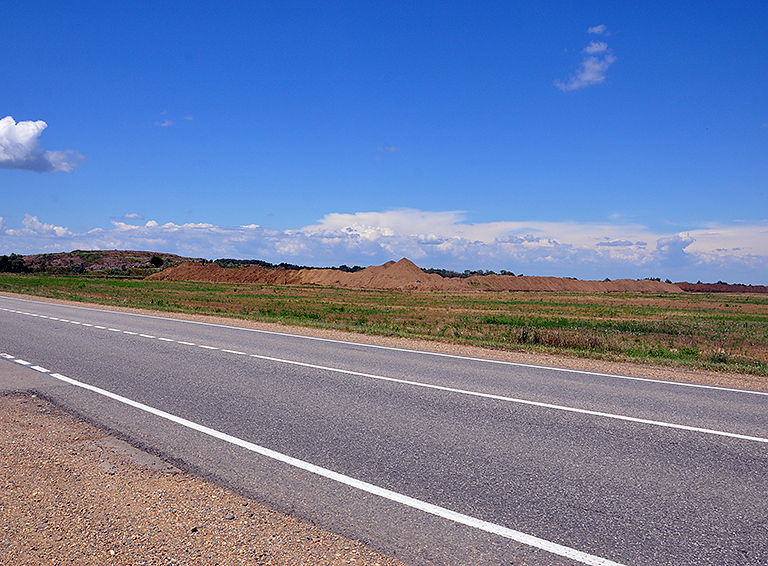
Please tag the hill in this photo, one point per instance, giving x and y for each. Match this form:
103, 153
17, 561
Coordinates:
102, 262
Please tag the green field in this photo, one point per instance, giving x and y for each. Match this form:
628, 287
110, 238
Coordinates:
726, 332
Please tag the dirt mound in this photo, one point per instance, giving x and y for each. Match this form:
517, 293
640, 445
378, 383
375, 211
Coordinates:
722, 288
402, 275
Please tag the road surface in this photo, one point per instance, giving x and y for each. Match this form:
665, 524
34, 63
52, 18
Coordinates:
433, 458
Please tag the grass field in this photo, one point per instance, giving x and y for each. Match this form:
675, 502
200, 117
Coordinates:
716, 331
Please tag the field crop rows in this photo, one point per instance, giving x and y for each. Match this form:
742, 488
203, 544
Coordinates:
715, 331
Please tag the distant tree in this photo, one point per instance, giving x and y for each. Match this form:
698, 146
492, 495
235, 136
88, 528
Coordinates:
13, 263
156, 261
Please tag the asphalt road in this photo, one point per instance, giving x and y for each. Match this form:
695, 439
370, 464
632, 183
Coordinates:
430, 458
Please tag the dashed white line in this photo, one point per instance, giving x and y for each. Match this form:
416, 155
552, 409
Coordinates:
208, 347
22, 362
114, 329
100, 327
41, 369
130, 333
167, 339
234, 352
146, 336
186, 343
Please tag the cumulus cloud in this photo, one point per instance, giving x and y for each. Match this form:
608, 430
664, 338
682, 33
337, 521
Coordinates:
597, 57
598, 30
132, 216
20, 149
443, 239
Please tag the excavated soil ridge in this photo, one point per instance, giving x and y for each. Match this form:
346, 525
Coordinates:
403, 275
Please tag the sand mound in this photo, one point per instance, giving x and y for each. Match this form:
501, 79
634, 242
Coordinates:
402, 275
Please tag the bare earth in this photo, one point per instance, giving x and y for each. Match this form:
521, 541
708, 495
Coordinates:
402, 275
70, 494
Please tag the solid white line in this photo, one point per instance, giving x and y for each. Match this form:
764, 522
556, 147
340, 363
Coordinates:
516, 400
442, 512
406, 350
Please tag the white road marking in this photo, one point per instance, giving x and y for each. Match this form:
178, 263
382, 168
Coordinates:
22, 362
114, 329
516, 400
406, 350
442, 512
40, 369
100, 327
146, 336
166, 339
475, 393
73, 322
86, 324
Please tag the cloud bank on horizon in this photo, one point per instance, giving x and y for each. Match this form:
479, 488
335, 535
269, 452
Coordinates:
20, 149
437, 239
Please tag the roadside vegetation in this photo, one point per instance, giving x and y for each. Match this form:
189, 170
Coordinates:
727, 332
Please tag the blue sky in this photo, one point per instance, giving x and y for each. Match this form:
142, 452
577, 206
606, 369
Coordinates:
594, 140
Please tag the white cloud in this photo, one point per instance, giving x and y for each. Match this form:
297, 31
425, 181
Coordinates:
164, 123
132, 216
20, 149
598, 30
596, 47
597, 58
439, 239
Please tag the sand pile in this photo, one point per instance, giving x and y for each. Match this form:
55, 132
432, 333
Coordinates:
402, 275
